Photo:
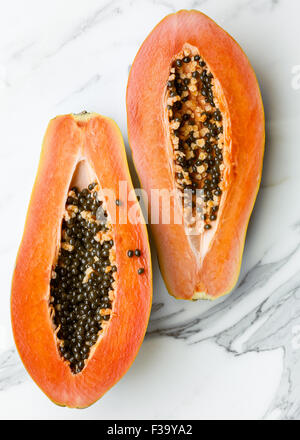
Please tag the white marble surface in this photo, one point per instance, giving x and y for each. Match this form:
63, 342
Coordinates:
238, 357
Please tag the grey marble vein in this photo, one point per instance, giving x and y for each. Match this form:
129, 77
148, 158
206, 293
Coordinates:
104, 12
276, 332
273, 318
90, 83
12, 371
22, 50
255, 6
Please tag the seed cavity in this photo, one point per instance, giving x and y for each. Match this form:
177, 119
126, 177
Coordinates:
196, 132
84, 277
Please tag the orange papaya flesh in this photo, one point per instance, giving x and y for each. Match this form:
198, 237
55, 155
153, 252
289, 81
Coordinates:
196, 126
79, 305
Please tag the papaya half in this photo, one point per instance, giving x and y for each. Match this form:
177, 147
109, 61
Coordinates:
196, 131
82, 285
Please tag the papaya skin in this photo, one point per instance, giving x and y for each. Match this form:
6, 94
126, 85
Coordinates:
217, 273
70, 138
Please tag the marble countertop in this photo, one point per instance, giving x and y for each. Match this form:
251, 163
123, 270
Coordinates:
238, 357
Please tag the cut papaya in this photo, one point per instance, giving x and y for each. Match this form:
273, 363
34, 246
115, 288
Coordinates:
196, 130
80, 306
